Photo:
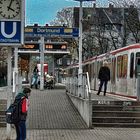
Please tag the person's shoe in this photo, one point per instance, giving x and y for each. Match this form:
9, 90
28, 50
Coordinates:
97, 93
36, 87
104, 94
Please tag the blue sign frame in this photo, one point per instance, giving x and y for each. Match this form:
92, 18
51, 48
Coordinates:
52, 31
10, 32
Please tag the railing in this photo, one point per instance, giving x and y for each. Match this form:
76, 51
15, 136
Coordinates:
81, 100
72, 86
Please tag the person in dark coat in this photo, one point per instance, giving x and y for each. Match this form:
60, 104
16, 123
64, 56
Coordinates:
21, 125
104, 77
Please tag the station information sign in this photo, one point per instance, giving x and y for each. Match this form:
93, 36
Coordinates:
48, 46
52, 31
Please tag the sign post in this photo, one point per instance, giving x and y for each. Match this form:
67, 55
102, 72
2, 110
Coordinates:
15, 72
12, 35
80, 70
42, 63
8, 128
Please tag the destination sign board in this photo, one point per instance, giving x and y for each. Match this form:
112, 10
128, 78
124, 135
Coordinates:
52, 31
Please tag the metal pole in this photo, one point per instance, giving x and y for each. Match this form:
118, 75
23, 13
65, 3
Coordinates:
53, 72
30, 69
9, 77
80, 71
22, 20
15, 72
122, 30
42, 63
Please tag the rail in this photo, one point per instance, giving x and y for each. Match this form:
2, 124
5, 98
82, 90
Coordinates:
72, 86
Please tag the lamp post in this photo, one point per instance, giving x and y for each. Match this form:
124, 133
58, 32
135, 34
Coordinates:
80, 70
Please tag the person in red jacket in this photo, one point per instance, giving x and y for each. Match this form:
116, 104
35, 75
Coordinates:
21, 125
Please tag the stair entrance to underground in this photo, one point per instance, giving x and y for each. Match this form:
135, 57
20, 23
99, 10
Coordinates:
52, 109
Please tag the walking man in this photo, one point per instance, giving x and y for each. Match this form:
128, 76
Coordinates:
104, 77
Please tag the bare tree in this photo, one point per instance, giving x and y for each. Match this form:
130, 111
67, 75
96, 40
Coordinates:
63, 18
131, 19
3, 65
125, 3
101, 37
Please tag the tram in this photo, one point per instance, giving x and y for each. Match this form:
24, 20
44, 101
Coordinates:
123, 64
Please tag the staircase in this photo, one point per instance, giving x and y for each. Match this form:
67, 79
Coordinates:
115, 114
3, 104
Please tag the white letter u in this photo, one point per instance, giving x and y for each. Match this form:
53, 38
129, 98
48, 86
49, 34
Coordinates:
8, 35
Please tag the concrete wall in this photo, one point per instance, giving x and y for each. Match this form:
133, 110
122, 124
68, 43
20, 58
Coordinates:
84, 106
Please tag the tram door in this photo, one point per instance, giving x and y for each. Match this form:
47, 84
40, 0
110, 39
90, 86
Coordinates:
113, 75
137, 74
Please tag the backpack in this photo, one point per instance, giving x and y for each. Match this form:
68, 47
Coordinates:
13, 113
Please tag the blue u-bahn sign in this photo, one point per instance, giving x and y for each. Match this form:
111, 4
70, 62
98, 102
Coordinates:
10, 32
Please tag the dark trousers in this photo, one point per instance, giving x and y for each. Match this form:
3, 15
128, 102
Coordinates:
21, 130
102, 82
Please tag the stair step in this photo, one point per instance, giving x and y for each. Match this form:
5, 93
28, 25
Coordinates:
115, 108
116, 119
2, 112
3, 124
110, 102
3, 101
127, 125
2, 118
116, 114
3, 107
109, 113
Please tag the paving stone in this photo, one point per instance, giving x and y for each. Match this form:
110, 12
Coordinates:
52, 117
51, 109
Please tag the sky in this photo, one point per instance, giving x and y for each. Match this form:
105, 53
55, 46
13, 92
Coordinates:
44, 11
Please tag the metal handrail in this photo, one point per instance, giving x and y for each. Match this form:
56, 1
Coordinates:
72, 86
